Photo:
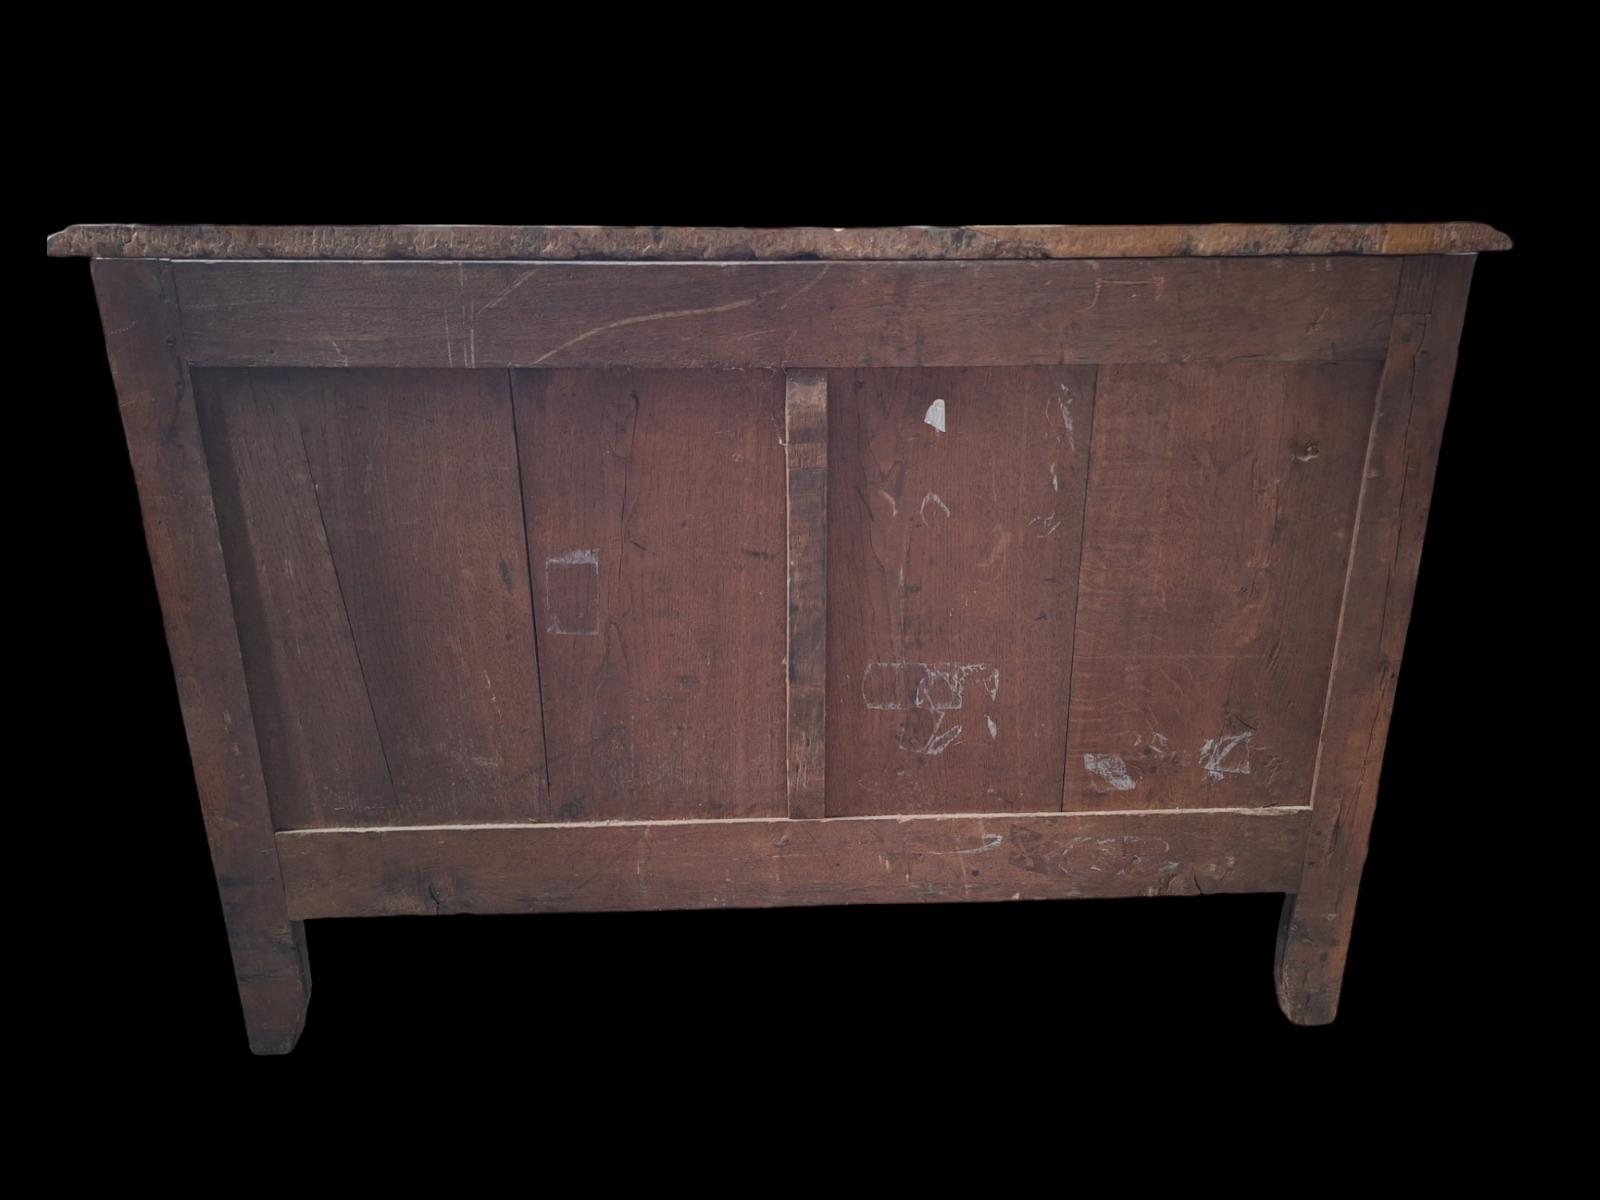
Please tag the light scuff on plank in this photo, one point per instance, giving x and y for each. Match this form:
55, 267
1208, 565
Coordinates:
681, 244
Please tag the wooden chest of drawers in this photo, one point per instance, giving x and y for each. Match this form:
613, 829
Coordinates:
530, 569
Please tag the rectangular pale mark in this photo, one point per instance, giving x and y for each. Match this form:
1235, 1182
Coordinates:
572, 584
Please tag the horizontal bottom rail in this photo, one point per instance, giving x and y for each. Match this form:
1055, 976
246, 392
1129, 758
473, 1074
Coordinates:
755, 863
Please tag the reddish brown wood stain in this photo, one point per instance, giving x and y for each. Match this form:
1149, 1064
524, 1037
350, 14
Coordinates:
655, 523
954, 561
1220, 510
557, 585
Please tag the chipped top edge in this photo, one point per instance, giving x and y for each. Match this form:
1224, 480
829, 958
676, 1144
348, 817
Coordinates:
609, 243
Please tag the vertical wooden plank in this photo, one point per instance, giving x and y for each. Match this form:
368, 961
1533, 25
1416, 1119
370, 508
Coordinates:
416, 483
806, 452
320, 750
144, 341
1403, 448
655, 516
955, 510
1221, 499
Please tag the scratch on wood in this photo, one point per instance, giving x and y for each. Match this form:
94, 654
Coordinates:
516, 283
1064, 401
809, 284
932, 498
661, 316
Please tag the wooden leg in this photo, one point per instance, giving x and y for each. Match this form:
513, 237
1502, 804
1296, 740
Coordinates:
1310, 961
274, 977
1386, 547
138, 308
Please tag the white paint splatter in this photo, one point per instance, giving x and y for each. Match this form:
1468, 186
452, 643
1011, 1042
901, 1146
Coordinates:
991, 841
1217, 757
994, 730
940, 742
1065, 401
935, 415
928, 687
1110, 768
936, 686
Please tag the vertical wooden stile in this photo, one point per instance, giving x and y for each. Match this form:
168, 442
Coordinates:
806, 452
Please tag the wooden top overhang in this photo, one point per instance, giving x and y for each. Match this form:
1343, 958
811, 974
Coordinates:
609, 243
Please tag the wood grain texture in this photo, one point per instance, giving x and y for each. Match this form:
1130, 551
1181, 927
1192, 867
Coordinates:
474, 573
776, 315
145, 346
1221, 502
718, 864
806, 454
655, 523
414, 482
662, 243
321, 754
1314, 935
953, 561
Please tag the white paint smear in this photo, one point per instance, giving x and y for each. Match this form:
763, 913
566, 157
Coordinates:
1224, 756
935, 415
1111, 768
937, 686
942, 741
994, 730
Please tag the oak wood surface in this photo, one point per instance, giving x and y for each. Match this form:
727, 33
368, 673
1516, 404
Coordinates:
1220, 505
526, 586
782, 314
409, 507
756, 863
956, 502
679, 243
1401, 458
654, 503
806, 452
145, 345
321, 752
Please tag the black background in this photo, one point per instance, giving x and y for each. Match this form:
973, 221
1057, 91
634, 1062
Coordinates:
973, 995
